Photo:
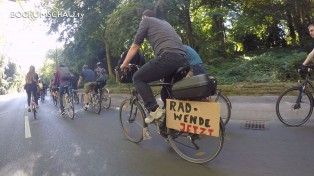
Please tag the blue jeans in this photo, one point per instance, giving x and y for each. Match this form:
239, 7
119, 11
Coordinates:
61, 91
163, 66
198, 69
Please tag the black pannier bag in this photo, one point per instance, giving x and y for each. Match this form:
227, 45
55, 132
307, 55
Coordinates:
126, 75
136, 62
195, 87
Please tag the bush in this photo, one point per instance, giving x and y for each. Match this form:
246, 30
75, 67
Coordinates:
268, 67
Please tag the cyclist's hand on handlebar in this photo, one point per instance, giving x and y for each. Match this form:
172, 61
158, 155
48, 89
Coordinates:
124, 66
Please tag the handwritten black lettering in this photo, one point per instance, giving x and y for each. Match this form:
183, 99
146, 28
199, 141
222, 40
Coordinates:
177, 117
172, 105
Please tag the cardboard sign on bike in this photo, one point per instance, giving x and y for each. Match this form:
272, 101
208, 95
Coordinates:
193, 116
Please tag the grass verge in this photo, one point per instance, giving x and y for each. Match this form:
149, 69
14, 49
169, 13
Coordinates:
238, 89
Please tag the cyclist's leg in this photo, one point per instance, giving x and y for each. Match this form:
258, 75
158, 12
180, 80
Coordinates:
87, 88
157, 68
61, 90
34, 91
29, 94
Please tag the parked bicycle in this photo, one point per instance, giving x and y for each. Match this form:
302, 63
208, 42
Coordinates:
94, 98
294, 106
196, 148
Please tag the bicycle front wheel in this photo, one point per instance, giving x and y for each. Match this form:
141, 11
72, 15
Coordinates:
132, 120
294, 107
106, 99
196, 148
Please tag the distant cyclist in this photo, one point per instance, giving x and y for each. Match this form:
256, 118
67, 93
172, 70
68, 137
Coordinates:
31, 86
89, 77
62, 79
196, 64
101, 76
41, 89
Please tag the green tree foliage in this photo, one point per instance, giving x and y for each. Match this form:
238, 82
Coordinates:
11, 78
218, 30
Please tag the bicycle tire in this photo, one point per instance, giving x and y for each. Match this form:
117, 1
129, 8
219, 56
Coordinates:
95, 102
289, 112
34, 111
106, 98
132, 121
209, 146
225, 107
70, 107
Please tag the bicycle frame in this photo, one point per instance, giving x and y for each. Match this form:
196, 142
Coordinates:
303, 87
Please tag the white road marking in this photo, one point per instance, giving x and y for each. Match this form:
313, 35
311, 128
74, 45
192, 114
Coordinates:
27, 128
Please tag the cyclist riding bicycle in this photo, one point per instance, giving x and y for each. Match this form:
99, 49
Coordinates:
89, 77
41, 89
61, 80
31, 86
101, 76
169, 56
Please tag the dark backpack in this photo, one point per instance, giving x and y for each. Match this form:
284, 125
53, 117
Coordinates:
65, 73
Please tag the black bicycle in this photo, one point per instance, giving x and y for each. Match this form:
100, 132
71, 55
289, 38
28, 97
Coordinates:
196, 148
294, 106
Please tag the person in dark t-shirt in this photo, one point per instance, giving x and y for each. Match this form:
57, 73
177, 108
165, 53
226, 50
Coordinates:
169, 56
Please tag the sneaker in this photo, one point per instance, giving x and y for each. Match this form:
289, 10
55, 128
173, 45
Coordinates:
29, 109
86, 106
62, 112
155, 115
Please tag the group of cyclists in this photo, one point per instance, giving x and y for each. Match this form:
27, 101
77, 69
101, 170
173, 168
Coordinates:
170, 54
64, 81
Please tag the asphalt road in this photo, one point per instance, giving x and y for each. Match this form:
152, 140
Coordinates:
94, 144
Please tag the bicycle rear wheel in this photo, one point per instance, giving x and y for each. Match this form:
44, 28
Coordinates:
96, 103
132, 120
70, 107
106, 99
294, 107
225, 107
34, 110
196, 148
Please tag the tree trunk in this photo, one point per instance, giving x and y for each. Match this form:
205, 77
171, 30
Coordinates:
109, 69
289, 8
